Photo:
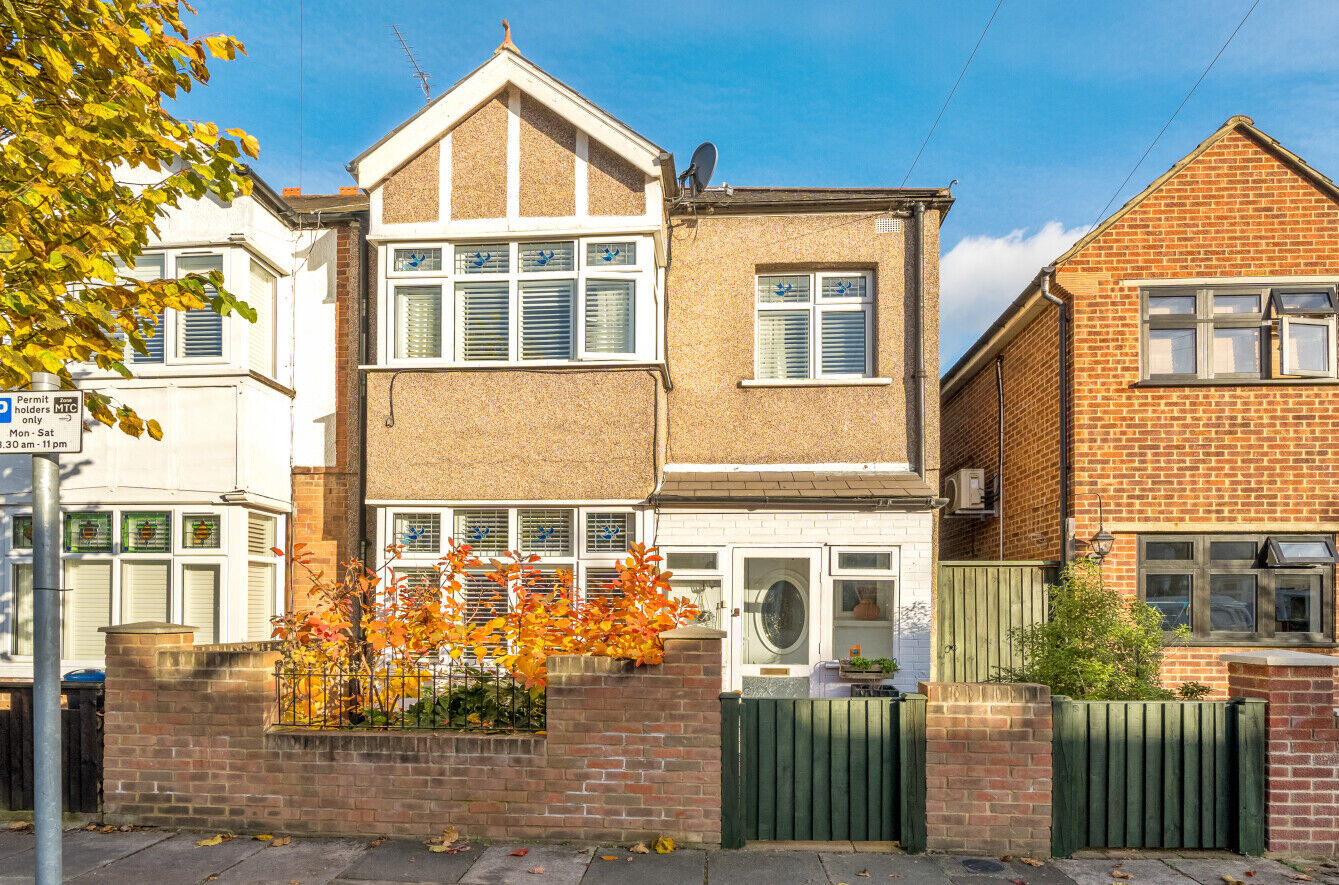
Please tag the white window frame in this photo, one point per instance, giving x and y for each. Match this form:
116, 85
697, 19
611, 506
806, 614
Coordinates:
816, 307
168, 329
1285, 362
893, 570
642, 273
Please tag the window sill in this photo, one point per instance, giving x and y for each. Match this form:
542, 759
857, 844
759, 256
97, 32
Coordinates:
815, 382
1236, 382
1205, 642
577, 365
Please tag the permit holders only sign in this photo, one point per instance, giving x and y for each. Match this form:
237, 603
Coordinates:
41, 422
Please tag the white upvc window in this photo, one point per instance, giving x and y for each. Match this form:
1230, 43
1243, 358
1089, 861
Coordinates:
864, 599
814, 325
261, 342
520, 302
188, 337
260, 575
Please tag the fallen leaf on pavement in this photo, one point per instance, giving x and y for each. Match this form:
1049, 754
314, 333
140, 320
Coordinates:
519, 852
263, 837
1120, 874
608, 857
1250, 873
1301, 877
640, 848
1018, 882
211, 841
535, 870
1006, 857
108, 829
663, 845
1232, 880
1032, 861
281, 841
21, 825
864, 874
450, 835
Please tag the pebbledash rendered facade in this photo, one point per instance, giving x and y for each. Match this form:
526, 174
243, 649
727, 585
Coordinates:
566, 352
1192, 410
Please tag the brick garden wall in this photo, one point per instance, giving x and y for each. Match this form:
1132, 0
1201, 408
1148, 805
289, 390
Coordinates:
630, 754
988, 768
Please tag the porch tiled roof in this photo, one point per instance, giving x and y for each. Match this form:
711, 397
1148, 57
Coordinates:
706, 485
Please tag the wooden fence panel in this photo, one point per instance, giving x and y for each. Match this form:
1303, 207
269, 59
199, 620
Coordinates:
81, 746
1158, 774
978, 606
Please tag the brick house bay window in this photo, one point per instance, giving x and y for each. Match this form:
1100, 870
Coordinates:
1241, 589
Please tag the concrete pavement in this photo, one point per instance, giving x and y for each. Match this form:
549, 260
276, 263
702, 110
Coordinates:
162, 857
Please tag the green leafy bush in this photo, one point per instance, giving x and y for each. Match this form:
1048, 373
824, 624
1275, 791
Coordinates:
1095, 645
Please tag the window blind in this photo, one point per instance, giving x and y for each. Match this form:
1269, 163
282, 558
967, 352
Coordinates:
418, 532
547, 315
147, 269
259, 600
844, 287
482, 321
259, 535
484, 599
597, 583
261, 333
199, 332
783, 289
200, 601
783, 344
486, 531
546, 257
88, 606
547, 532
418, 322
609, 316
21, 613
144, 591
608, 532
419, 583
843, 342
483, 258
619, 254
153, 343
417, 260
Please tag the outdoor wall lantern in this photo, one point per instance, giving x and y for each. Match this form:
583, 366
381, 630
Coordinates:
1100, 544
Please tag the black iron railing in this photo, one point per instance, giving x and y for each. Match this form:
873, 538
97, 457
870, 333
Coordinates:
446, 697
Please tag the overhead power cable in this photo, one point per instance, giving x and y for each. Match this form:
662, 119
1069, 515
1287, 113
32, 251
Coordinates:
951, 92
1102, 214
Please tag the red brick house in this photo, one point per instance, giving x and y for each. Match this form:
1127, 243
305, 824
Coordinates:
1196, 396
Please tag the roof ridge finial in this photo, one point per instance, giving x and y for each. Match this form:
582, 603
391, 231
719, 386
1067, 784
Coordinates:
506, 39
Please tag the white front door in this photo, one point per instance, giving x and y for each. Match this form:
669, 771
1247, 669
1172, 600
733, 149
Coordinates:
774, 605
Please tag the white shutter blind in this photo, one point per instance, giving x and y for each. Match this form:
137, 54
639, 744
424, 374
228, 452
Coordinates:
259, 535
21, 613
608, 532
88, 606
482, 320
546, 257
484, 598
418, 582
418, 532
147, 269
259, 601
261, 333
483, 258
843, 342
199, 332
484, 530
153, 343
609, 316
418, 322
611, 254
783, 289
144, 591
597, 581
783, 344
200, 601
547, 316
547, 532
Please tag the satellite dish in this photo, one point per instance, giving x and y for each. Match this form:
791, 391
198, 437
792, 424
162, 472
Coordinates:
698, 174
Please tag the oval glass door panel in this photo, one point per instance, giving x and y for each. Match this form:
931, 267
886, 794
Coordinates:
776, 611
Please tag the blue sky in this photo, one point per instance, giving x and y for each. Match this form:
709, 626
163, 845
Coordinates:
1059, 103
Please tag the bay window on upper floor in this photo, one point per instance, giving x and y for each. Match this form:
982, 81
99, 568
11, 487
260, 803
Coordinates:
814, 325
560, 300
1238, 333
201, 336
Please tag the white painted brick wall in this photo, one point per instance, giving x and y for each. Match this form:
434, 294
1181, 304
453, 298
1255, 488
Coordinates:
910, 533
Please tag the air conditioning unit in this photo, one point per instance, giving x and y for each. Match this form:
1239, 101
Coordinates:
966, 490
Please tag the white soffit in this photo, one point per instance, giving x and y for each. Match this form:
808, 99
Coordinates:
430, 124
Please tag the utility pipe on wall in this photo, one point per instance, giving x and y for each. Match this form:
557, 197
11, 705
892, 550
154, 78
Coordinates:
999, 450
918, 372
1046, 274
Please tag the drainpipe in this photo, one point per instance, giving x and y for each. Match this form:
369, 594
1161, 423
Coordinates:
1063, 319
999, 450
918, 345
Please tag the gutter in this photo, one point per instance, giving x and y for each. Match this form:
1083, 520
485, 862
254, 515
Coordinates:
917, 502
1044, 280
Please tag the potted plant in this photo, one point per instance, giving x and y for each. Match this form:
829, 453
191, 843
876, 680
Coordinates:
858, 669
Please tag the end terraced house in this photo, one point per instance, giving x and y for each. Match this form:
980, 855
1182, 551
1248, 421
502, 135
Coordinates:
569, 352
1171, 378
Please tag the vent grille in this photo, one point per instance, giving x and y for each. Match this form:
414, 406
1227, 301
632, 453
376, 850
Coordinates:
888, 225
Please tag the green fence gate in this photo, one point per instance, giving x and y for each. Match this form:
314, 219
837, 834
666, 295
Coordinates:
1158, 774
823, 769
978, 605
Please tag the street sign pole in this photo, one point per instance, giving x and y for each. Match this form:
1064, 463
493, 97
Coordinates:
46, 655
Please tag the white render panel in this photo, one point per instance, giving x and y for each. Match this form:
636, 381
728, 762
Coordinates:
910, 532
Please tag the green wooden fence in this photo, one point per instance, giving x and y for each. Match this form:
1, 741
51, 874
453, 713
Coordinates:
823, 769
978, 605
1158, 774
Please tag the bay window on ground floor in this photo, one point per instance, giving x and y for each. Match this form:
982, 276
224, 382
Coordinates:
206, 566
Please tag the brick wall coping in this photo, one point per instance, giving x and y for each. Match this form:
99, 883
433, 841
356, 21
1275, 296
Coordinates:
148, 628
692, 631
1281, 657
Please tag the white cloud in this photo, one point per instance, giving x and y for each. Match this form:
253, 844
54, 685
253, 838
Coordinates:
980, 276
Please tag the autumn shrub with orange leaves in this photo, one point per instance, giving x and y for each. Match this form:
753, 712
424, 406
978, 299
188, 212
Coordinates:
371, 648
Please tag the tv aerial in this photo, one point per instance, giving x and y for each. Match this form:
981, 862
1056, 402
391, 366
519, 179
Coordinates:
419, 74
700, 168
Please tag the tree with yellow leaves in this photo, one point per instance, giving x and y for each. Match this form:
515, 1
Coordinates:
82, 87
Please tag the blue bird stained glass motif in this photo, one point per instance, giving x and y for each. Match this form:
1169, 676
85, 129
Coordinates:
782, 290
610, 532
610, 253
480, 258
543, 257
479, 532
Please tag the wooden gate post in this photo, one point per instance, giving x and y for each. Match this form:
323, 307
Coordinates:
732, 787
911, 751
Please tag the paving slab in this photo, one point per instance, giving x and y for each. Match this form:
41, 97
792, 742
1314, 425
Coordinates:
561, 865
407, 860
14, 841
301, 861
82, 851
1097, 871
1210, 870
174, 861
997, 870
681, 867
765, 868
913, 870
